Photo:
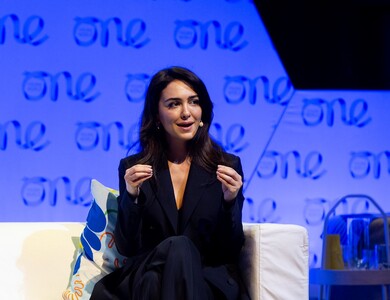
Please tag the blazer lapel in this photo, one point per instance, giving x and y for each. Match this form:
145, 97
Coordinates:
166, 196
197, 183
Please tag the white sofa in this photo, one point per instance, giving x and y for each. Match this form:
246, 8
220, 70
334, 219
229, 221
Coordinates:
37, 260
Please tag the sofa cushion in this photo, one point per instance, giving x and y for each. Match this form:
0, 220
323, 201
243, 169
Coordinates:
274, 261
98, 254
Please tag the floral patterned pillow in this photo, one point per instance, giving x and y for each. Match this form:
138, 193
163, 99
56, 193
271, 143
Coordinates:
98, 254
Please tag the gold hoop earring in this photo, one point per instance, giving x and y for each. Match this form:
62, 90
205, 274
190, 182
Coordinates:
200, 124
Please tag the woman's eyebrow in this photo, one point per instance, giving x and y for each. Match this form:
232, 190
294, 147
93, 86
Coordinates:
172, 99
179, 99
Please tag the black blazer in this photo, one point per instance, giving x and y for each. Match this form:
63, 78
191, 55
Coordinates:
213, 226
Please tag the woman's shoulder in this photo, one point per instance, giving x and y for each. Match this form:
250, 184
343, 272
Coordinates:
130, 160
232, 158
233, 161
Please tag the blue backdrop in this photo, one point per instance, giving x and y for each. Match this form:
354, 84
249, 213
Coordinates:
72, 81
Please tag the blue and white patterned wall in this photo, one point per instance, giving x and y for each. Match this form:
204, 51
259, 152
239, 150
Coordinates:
72, 80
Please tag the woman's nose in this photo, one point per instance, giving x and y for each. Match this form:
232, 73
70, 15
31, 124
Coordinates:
185, 113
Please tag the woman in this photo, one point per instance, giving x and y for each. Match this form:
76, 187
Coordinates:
179, 220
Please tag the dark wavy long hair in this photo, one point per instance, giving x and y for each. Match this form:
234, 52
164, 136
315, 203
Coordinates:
152, 141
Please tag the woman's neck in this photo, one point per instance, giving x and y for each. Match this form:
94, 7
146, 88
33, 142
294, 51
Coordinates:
177, 154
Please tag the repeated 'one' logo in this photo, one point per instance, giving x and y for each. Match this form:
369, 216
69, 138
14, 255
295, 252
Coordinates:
189, 33
90, 135
39, 84
31, 136
29, 32
316, 111
238, 89
362, 164
88, 31
38, 190
305, 166
261, 211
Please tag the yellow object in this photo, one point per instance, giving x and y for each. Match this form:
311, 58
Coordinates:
333, 254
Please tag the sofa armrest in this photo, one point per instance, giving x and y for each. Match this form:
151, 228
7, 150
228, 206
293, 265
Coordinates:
274, 261
37, 258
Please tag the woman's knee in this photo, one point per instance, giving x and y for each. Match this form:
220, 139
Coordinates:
181, 247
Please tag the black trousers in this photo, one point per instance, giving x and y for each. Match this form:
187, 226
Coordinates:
173, 270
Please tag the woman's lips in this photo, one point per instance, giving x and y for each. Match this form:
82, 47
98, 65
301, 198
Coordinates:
185, 126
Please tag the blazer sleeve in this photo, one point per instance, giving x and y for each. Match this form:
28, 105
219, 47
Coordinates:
128, 226
231, 238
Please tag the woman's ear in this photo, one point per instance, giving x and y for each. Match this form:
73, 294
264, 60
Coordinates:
158, 123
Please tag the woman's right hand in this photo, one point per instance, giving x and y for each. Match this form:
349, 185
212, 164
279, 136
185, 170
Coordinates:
135, 176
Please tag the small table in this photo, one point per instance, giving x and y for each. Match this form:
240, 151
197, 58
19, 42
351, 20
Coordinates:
326, 278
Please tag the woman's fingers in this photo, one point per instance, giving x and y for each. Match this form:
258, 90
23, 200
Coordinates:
135, 176
231, 181
138, 173
229, 176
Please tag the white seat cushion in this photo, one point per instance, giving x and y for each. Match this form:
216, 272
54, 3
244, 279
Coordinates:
274, 261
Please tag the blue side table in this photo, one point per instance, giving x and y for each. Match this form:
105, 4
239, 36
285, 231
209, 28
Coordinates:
351, 277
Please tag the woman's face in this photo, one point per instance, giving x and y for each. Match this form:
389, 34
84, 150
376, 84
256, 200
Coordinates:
179, 112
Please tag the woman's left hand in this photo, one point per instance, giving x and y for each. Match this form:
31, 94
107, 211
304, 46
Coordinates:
231, 182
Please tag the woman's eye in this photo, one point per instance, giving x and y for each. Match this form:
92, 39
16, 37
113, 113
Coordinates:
195, 101
173, 104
